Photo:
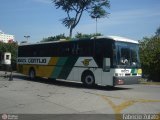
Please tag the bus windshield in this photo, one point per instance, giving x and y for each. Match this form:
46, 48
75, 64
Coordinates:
126, 54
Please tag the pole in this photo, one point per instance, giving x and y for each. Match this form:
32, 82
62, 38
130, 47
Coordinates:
11, 76
96, 26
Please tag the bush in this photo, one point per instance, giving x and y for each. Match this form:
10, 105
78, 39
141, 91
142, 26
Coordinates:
150, 57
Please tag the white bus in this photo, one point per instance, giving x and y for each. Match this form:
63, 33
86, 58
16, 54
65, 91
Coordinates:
100, 60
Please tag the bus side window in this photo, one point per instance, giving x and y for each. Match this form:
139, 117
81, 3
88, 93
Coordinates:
74, 50
85, 48
67, 49
52, 49
103, 49
64, 49
99, 53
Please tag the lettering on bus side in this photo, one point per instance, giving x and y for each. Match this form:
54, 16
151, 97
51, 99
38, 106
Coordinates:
21, 60
33, 60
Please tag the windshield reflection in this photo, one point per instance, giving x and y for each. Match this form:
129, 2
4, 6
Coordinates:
126, 55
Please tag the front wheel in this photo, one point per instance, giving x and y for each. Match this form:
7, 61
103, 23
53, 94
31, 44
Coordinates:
32, 74
88, 79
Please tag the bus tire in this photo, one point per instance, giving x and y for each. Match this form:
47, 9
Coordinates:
32, 74
88, 78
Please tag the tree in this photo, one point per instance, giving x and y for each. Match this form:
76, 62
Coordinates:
158, 32
150, 57
80, 35
55, 38
98, 12
75, 9
12, 48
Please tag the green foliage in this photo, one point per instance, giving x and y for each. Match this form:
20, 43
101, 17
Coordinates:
158, 32
80, 35
62, 36
12, 48
98, 12
150, 57
55, 38
75, 9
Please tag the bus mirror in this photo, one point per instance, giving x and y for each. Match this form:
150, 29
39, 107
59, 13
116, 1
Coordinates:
106, 64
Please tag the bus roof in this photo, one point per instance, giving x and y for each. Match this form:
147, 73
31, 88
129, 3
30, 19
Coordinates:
117, 38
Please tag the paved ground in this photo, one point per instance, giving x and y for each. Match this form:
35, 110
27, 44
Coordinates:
22, 96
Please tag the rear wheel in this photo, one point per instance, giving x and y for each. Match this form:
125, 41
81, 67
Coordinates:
32, 74
88, 79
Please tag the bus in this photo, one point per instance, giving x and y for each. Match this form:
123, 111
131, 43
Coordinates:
101, 60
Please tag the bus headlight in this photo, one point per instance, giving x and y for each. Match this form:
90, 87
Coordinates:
139, 72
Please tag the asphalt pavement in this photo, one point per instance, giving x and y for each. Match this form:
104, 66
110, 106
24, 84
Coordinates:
47, 99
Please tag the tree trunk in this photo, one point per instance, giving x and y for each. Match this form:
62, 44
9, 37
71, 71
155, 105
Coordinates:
70, 32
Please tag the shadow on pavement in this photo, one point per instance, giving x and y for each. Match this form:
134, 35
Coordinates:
69, 84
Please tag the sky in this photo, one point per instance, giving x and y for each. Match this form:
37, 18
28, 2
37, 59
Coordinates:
40, 19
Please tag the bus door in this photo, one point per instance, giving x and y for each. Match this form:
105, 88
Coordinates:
103, 57
107, 77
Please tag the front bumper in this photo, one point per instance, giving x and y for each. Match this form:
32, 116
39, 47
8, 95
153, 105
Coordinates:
126, 80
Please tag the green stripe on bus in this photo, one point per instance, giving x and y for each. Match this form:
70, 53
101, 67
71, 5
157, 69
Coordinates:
58, 68
68, 66
133, 71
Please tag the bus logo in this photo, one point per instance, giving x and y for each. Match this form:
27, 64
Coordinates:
86, 62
